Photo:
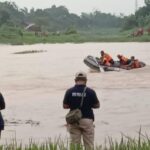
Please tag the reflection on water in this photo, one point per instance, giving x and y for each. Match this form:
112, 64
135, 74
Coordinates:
33, 86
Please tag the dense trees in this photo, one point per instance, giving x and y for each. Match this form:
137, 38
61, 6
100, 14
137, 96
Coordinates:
55, 18
100, 20
141, 18
147, 2
59, 19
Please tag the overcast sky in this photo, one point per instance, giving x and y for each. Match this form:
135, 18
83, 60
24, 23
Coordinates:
77, 6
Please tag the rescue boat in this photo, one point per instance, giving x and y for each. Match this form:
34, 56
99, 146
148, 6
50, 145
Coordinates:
93, 63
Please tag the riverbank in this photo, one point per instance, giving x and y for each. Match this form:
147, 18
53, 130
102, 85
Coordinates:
125, 143
110, 35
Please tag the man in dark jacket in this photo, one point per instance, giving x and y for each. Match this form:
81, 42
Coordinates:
2, 106
72, 100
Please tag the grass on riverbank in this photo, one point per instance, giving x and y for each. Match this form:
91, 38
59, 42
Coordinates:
125, 143
18, 37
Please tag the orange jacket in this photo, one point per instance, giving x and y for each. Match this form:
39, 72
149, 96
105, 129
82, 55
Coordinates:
108, 57
123, 60
136, 64
106, 62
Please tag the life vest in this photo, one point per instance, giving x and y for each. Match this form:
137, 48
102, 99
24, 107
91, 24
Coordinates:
136, 64
108, 57
106, 62
123, 60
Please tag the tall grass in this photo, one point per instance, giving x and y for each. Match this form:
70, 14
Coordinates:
17, 37
125, 143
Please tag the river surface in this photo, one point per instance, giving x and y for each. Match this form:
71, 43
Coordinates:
34, 85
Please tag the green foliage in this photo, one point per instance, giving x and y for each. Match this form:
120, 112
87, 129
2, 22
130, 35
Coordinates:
71, 30
141, 18
125, 143
4, 17
147, 2
63, 26
130, 22
100, 20
17, 36
11, 12
55, 18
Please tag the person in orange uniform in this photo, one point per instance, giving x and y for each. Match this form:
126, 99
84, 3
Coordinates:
106, 59
123, 60
105, 62
133, 64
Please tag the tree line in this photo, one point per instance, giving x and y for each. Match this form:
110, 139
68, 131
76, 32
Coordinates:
55, 18
59, 18
141, 18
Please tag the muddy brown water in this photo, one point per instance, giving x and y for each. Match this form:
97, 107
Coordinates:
34, 84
